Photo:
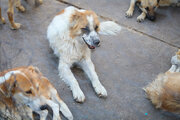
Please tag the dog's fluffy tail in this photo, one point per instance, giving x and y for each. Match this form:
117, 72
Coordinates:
109, 28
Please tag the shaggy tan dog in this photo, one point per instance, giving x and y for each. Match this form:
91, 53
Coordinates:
164, 91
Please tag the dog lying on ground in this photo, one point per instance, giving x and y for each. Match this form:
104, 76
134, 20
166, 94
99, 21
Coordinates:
27, 87
148, 8
164, 91
71, 34
10, 12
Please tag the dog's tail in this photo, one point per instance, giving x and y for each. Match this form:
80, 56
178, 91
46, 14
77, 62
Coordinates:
109, 28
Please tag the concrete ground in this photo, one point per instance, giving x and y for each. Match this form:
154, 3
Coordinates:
125, 63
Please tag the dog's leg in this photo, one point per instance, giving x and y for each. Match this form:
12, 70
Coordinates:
38, 2
141, 17
130, 11
68, 77
19, 6
89, 69
2, 20
55, 109
10, 15
63, 107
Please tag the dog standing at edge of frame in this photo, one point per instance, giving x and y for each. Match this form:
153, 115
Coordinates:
71, 34
10, 12
164, 91
148, 8
25, 89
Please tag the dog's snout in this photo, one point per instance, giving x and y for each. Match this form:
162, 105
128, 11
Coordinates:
152, 18
96, 42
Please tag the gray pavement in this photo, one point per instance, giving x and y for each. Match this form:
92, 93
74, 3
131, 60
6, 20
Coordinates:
125, 63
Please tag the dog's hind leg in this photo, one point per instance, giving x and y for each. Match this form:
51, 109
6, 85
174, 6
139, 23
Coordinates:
10, 13
89, 69
68, 77
2, 20
130, 11
19, 6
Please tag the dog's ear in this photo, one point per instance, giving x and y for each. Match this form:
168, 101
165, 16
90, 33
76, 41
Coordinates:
158, 1
76, 18
9, 85
109, 28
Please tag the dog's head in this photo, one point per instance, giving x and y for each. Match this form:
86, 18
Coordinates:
149, 7
20, 84
85, 25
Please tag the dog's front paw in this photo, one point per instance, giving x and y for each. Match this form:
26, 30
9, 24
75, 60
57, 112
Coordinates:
38, 2
140, 18
100, 90
129, 13
21, 8
78, 95
16, 26
3, 20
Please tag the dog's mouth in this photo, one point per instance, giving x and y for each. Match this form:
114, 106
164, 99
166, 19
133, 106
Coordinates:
90, 46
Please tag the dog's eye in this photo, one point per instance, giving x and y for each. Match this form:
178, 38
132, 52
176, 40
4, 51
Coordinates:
96, 27
86, 29
147, 8
29, 92
154, 7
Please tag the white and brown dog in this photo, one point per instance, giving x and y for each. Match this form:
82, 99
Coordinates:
71, 34
164, 91
27, 87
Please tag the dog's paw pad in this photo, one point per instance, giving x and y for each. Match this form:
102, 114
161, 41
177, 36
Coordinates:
100, 91
129, 13
79, 96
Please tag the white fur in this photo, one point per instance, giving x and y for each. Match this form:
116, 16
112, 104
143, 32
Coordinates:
175, 61
8, 75
74, 50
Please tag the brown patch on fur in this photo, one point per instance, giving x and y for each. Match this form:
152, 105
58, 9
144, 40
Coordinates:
79, 20
164, 92
178, 54
60, 13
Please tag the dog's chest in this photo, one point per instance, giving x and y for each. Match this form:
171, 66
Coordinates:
73, 51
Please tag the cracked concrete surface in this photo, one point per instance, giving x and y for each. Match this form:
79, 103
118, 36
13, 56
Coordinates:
124, 63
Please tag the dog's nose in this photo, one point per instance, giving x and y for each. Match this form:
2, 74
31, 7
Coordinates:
152, 18
96, 42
